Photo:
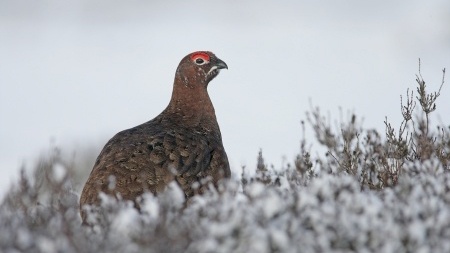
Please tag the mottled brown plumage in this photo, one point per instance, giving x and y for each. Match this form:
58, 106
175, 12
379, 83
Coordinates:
183, 143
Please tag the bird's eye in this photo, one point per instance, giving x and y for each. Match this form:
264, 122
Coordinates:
200, 58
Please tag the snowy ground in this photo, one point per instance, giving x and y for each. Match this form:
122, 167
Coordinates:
287, 212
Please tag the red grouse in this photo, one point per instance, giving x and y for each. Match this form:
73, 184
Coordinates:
183, 143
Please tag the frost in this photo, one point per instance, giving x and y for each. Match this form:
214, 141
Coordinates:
24, 239
272, 205
59, 172
46, 245
150, 206
125, 222
327, 213
174, 194
284, 183
279, 239
256, 189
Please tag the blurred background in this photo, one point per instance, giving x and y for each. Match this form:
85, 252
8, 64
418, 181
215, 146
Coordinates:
74, 73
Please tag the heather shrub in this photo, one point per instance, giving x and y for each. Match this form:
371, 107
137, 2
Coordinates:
376, 159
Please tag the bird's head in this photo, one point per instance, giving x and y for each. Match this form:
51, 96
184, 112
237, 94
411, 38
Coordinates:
199, 68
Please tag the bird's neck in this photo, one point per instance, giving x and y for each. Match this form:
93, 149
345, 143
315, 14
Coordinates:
191, 106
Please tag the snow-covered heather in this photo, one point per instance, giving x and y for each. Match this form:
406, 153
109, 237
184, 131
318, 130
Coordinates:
327, 213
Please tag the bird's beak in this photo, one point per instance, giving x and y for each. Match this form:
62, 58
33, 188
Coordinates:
220, 64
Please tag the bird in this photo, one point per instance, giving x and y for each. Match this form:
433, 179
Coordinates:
183, 144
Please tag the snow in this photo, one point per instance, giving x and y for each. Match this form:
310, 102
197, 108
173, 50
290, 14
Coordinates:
279, 239
273, 204
150, 206
24, 239
59, 171
326, 213
46, 245
175, 194
256, 189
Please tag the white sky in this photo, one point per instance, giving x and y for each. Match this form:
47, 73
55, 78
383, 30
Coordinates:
79, 71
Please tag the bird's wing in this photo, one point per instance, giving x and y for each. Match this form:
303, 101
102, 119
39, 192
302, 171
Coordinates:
147, 159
